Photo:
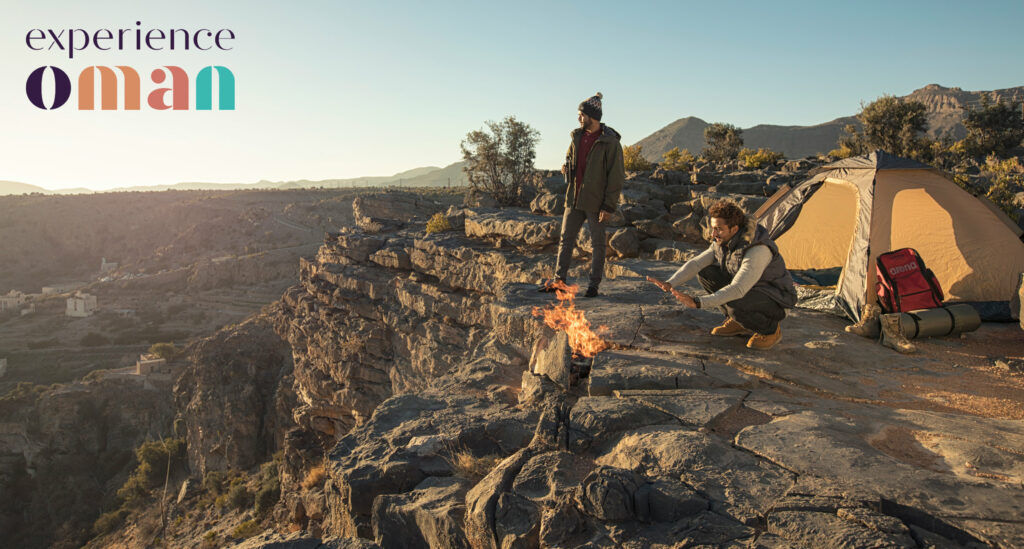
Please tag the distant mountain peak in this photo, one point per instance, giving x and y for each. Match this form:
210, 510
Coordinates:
946, 109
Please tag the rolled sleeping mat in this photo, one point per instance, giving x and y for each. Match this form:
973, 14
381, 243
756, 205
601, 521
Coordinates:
940, 321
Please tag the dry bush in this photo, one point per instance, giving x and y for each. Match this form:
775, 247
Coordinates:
315, 477
438, 224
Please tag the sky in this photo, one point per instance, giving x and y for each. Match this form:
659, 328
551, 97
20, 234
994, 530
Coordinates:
344, 89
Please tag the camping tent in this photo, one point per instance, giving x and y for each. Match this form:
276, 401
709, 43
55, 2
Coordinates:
858, 208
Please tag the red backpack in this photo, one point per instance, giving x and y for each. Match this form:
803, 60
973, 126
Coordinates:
905, 284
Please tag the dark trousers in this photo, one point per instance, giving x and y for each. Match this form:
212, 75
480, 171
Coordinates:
572, 222
754, 311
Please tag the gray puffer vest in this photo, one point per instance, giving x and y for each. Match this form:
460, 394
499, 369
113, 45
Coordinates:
775, 281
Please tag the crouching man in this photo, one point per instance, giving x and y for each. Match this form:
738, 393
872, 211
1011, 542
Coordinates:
744, 274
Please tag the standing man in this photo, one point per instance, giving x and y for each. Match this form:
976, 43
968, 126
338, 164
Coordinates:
745, 274
594, 172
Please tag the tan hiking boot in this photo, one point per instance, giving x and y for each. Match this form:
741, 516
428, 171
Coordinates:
765, 342
868, 325
729, 328
892, 334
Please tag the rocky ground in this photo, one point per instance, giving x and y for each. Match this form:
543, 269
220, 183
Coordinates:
416, 401
458, 419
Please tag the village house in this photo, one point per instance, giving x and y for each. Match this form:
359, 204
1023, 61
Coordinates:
151, 364
81, 305
12, 301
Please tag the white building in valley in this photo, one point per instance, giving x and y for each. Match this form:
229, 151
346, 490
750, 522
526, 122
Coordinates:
81, 305
12, 301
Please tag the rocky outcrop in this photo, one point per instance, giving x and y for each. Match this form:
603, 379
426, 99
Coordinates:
453, 418
65, 450
226, 397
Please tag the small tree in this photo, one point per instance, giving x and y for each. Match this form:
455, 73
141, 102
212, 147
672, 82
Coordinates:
995, 128
500, 162
633, 159
892, 125
679, 160
165, 351
722, 142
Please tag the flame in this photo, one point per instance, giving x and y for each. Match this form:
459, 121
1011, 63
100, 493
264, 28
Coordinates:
566, 317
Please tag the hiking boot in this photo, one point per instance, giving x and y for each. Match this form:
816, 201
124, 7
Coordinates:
868, 325
729, 328
763, 342
591, 292
549, 286
892, 334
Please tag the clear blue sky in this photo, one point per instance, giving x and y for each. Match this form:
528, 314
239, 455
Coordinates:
338, 89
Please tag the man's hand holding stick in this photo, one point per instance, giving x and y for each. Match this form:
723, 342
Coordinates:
681, 297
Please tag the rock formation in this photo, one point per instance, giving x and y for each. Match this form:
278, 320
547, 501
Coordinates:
419, 367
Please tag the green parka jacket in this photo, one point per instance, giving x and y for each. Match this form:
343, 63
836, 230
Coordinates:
603, 176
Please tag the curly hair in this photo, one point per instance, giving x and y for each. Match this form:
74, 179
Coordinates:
728, 211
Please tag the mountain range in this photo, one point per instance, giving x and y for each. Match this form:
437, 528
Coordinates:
946, 109
430, 176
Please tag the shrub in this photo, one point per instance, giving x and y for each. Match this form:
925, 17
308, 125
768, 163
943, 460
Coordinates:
438, 223
841, 153
108, 522
153, 458
315, 477
500, 162
25, 389
994, 128
246, 530
679, 160
471, 467
213, 482
165, 351
758, 159
633, 159
1007, 179
266, 498
269, 489
239, 497
722, 142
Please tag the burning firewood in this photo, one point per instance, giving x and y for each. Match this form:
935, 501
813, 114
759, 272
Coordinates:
564, 316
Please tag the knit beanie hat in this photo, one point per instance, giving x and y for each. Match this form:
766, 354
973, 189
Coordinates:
592, 107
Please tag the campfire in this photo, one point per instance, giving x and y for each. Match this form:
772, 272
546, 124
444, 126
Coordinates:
564, 316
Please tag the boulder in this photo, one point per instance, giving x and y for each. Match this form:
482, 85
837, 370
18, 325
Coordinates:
519, 226
552, 358
384, 211
608, 494
741, 187
634, 196
554, 184
625, 242
671, 255
655, 228
548, 204
690, 228
705, 176
636, 212
680, 209
428, 516
670, 177
480, 199
794, 166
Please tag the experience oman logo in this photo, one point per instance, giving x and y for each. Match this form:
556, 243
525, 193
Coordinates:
175, 95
